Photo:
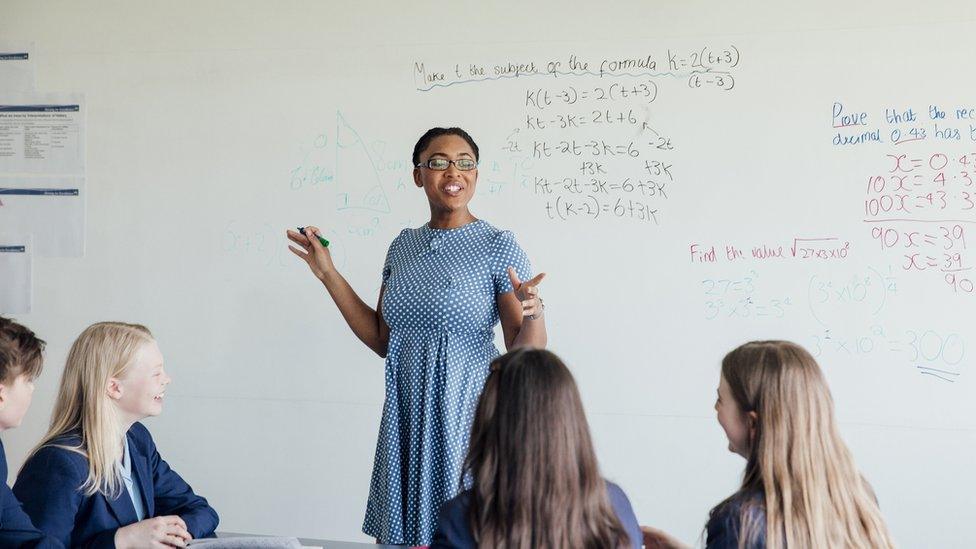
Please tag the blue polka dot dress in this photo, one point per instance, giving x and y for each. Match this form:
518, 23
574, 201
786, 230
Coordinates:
440, 305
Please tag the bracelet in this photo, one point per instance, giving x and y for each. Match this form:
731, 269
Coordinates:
538, 316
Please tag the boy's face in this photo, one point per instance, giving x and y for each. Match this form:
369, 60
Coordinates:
15, 399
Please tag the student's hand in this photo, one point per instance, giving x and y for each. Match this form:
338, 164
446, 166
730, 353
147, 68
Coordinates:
312, 252
157, 532
528, 294
659, 539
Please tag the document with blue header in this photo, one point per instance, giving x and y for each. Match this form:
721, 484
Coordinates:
16, 67
15, 274
42, 133
51, 209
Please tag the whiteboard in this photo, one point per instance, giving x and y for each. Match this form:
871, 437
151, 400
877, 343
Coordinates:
711, 175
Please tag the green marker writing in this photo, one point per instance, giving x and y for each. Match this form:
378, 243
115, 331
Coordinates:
324, 242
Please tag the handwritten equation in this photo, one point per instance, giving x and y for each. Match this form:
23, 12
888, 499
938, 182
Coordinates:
704, 66
931, 353
636, 91
597, 154
920, 209
591, 207
738, 297
819, 249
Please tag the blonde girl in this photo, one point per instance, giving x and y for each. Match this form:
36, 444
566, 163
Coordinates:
96, 478
801, 488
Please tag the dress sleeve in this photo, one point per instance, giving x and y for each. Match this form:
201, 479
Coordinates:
505, 253
388, 262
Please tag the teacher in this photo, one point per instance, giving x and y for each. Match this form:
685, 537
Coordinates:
445, 287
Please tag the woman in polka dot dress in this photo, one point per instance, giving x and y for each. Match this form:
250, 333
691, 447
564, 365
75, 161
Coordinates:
445, 287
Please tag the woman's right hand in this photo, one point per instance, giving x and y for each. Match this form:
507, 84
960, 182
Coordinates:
168, 531
312, 252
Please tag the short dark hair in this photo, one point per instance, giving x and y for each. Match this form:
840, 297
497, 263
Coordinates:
20, 351
433, 134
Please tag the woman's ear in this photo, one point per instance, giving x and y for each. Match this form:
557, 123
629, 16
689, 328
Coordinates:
114, 388
416, 178
753, 419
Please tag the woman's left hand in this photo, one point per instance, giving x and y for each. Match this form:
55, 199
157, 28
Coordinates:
528, 294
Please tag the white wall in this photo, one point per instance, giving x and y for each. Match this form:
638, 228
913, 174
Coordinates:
214, 126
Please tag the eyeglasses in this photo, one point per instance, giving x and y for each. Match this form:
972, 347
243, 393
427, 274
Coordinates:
441, 164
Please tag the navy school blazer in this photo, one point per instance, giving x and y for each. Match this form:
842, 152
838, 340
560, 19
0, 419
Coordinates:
725, 521
48, 486
454, 532
16, 529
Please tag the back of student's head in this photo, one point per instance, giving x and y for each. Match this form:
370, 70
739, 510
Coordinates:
103, 350
814, 494
535, 477
21, 352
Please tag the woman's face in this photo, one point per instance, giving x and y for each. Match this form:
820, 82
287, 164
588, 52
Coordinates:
449, 190
738, 426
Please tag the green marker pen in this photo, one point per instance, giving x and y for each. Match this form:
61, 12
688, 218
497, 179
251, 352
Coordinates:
324, 242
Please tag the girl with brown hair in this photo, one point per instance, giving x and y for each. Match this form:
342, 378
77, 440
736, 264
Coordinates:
533, 474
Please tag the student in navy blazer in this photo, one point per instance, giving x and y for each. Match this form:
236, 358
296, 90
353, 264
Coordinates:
16, 529
48, 483
104, 484
21, 361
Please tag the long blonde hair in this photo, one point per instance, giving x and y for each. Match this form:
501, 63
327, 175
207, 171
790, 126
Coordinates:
103, 351
814, 495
